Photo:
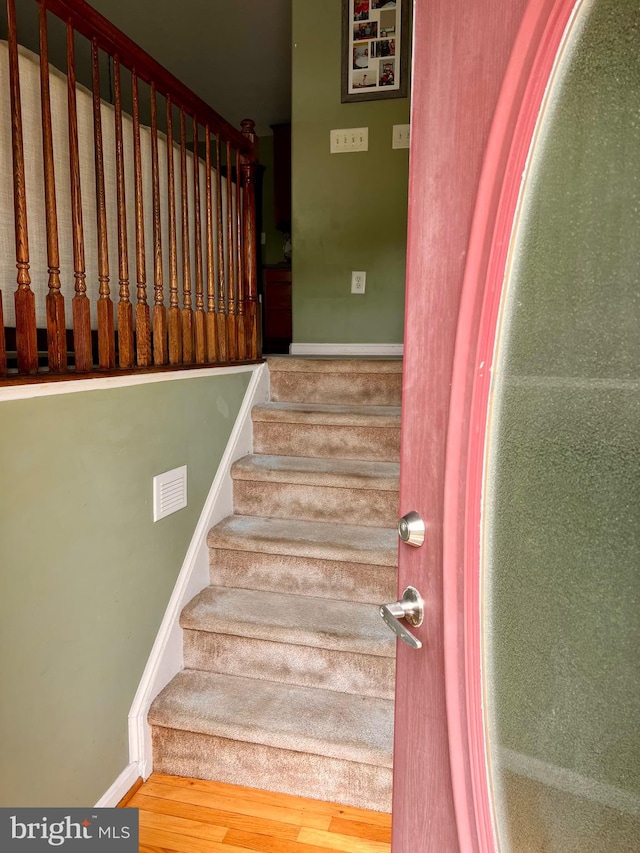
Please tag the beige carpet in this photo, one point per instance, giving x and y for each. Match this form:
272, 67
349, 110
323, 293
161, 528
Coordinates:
289, 670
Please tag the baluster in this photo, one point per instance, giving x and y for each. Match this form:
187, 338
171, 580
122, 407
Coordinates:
25, 300
231, 319
211, 335
175, 325
187, 311
160, 346
242, 332
56, 326
125, 312
80, 303
222, 308
250, 259
200, 343
143, 324
3, 345
106, 332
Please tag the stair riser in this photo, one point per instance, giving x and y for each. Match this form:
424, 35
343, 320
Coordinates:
359, 674
364, 507
381, 444
355, 389
202, 756
303, 576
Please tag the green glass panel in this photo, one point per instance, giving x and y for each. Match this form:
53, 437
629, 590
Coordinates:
562, 487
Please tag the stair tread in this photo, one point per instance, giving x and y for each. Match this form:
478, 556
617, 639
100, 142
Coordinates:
302, 719
313, 539
323, 413
336, 364
318, 471
290, 619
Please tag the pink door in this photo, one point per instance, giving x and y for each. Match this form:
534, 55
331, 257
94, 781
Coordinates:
479, 72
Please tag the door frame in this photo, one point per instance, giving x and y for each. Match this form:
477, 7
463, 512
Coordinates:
536, 50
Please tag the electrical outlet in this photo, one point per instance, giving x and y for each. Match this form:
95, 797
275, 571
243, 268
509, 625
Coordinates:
401, 137
348, 140
358, 281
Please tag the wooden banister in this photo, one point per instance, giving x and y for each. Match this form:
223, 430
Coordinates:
175, 321
242, 330
3, 346
212, 318
223, 352
143, 326
91, 24
199, 323
25, 300
187, 310
80, 304
106, 331
232, 328
160, 343
56, 325
125, 311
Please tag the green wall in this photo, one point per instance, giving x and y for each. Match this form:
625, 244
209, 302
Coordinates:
563, 495
86, 574
349, 210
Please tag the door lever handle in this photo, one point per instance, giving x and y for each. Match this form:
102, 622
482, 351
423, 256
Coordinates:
411, 608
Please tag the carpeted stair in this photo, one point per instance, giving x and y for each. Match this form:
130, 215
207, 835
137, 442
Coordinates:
289, 670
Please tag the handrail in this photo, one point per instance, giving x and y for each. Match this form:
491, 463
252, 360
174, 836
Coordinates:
91, 24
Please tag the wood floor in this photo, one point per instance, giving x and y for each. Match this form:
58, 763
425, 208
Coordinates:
192, 816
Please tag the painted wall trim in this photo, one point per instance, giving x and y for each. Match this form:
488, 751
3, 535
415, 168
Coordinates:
106, 383
120, 787
347, 349
166, 658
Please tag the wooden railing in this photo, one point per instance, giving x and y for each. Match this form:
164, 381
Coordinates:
204, 307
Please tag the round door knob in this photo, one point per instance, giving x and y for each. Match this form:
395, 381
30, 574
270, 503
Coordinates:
411, 529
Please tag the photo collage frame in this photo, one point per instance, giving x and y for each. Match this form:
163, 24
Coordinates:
375, 35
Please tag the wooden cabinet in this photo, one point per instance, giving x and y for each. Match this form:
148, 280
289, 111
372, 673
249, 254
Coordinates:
276, 309
282, 176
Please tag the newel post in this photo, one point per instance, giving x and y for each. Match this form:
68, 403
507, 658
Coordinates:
252, 316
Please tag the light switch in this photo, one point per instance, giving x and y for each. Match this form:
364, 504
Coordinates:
349, 139
401, 136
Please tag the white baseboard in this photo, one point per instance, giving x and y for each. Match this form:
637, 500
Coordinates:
389, 350
166, 658
120, 787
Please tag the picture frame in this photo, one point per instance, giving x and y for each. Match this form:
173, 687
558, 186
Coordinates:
375, 49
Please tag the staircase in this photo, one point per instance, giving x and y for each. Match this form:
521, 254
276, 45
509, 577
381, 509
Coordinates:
289, 670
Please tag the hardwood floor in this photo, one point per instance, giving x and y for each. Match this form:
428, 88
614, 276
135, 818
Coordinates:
193, 816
